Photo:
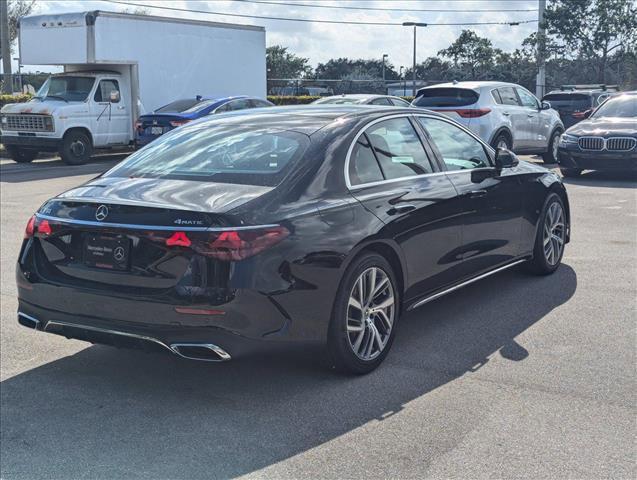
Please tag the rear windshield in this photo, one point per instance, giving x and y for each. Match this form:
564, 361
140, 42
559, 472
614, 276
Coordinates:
246, 155
338, 100
184, 106
568, 99
445, 97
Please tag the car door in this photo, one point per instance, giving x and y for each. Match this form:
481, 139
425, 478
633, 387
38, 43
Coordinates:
491, 200
110, 114
393, 174
513, 109
539, 127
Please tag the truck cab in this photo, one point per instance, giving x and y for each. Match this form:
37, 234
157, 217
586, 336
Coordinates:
72, 113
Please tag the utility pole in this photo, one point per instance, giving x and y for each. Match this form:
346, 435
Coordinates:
413, 68
6, 48
384, 57
540, 81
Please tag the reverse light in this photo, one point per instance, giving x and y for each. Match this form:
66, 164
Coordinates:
30, 229
178, 123
582, 114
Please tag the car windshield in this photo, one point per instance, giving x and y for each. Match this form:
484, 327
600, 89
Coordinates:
246, 155
189, 105
338, 101
623, 106
67, 88
445, 97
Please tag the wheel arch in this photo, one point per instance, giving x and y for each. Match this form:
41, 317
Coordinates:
501, 130
79, 129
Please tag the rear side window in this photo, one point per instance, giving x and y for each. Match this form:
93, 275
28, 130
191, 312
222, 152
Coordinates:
399, 102
178, 106
260, 103
247, 155
508, 96
363, 167
496, 96
445, 97
380, 101
398, 149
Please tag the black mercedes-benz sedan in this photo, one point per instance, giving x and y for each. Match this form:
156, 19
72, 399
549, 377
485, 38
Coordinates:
606, 141
285, 226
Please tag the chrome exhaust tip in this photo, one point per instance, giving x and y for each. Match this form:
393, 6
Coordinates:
28, 321
205, 352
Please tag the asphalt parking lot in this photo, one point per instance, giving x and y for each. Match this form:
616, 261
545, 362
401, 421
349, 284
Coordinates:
515, 376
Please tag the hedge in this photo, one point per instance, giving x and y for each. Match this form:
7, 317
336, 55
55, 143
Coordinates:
20, 98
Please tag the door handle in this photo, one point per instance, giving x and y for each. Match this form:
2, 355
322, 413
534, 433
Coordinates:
506, 114
401, 209
476, 193
530, 114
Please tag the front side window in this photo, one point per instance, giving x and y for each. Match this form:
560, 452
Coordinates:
508, 96
458, 149
398, 149
246, 155
527, 99
104, 90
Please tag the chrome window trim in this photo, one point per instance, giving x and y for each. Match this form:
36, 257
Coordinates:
423, 175
134, 226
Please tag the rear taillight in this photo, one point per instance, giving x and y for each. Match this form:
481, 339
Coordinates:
229, 245
582, 114
30, 230
138, 126
44, 227
178, 123
468, 112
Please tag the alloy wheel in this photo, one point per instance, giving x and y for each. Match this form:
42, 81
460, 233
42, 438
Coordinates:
502, 143
553, 238
370, 313
555, 146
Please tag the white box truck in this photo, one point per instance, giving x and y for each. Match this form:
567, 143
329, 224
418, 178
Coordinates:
118, 66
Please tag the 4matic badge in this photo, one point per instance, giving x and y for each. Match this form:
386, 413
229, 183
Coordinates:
180, 221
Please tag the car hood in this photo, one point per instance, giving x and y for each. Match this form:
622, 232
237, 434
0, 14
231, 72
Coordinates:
605, 126
162, 193
47, 107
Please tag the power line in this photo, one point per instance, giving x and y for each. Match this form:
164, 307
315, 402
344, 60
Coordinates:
308, 20
382, 9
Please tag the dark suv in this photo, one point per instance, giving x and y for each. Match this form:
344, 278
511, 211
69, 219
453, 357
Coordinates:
575, 104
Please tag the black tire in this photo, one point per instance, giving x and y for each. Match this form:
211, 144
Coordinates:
539, 264
571, 172
76, 148
550, 156
502, 138
21, 155
341, 353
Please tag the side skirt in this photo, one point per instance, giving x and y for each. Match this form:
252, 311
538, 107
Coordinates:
433, 297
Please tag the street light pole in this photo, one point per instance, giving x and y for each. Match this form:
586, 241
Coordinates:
384, 57
413, 71
400, 76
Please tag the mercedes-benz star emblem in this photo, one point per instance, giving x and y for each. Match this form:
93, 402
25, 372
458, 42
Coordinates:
119, 254
101, 213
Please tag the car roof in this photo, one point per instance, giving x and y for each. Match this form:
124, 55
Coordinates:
306, 119
471, 85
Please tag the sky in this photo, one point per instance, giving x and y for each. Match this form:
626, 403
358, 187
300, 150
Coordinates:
320, 42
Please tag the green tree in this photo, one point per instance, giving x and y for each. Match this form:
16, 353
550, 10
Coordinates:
360, 69
594, 29
473, 56
283, 64
17, 9
432, 69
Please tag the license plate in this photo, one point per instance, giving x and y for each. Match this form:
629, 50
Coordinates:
107, 252
156, 130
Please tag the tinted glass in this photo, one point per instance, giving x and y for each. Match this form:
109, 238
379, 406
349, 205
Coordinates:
104, 89
624, 106
508, 96
338, 100
459, 150
260, 103
496, 96
399, 102
527, 99
380, 101
363, 167
178, 106
239, 104
445, 97
568, 101
398, 149
217, 153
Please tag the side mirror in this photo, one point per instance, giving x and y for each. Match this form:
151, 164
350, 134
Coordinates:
545, 105
114, 96
505, 159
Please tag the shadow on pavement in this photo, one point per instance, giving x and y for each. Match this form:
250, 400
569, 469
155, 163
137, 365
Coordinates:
604, 179
106, 413
56, 168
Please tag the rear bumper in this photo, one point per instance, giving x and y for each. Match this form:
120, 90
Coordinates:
604, 160
31, 141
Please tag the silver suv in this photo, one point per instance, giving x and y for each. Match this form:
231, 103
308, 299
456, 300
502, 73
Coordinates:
502, 114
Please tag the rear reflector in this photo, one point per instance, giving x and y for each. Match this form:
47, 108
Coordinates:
30, 229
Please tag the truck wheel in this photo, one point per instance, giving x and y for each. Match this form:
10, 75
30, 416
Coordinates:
76, 148
21, 155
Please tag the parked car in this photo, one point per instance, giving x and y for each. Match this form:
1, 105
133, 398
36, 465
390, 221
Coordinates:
301, 225
607, 140
110, 76
502, 114
362, 99
180, 112
575, 103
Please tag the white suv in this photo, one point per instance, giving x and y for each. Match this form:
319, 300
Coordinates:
502, 114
